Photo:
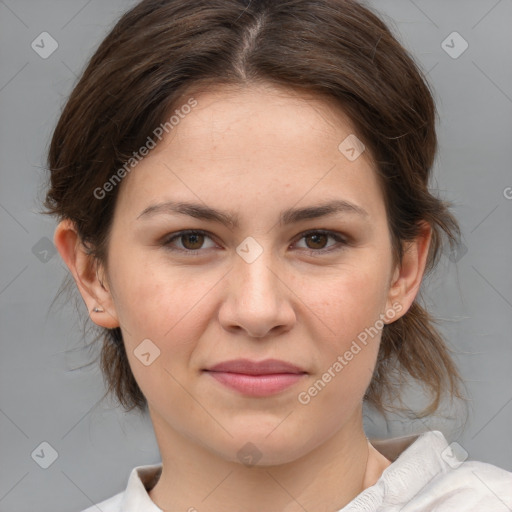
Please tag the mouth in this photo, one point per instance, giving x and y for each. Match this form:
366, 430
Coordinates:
254, 378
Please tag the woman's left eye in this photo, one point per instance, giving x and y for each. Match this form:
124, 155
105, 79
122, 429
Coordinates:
192, 241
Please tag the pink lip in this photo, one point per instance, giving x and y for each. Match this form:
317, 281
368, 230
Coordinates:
256, 378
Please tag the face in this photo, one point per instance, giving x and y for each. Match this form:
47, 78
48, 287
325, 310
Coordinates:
272, 283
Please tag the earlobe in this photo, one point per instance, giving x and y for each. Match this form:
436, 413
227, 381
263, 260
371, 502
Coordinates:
407, 278
83, 268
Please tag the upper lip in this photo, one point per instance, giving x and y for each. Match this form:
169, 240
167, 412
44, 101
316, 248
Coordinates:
248, 367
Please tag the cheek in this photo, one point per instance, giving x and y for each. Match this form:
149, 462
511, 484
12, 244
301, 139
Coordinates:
348, 300
160, 305
154, 298
346, 329
347, 348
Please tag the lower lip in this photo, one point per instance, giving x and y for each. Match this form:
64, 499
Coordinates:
257, 385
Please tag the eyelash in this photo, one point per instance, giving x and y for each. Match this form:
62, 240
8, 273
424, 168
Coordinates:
190, 252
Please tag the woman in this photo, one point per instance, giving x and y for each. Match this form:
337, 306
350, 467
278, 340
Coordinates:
242, 191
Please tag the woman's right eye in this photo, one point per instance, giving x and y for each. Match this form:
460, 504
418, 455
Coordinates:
191, 241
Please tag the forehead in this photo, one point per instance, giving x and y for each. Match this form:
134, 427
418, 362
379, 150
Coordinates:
257, 141
258, 117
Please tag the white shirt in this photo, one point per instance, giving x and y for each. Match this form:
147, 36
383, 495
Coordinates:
426, 474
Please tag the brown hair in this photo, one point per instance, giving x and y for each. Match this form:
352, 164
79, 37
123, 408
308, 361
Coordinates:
161, 50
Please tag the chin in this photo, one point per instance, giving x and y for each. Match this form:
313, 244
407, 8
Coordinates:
256, 448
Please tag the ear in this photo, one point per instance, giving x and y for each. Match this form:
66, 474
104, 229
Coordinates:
84, 269
407, 278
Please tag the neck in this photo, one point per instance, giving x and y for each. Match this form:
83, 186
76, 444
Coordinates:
324, 480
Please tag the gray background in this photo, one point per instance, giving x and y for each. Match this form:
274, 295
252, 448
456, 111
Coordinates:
43, 397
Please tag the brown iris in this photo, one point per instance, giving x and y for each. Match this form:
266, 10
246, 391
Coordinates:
196, 239
318, 238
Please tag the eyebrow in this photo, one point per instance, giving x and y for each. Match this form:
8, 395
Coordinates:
231, 219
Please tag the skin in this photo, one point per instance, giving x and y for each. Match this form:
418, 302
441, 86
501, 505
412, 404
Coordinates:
253, 152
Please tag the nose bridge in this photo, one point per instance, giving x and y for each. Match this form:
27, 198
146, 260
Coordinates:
255, 275
257, 301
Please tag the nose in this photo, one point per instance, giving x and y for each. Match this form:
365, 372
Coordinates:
257, 299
